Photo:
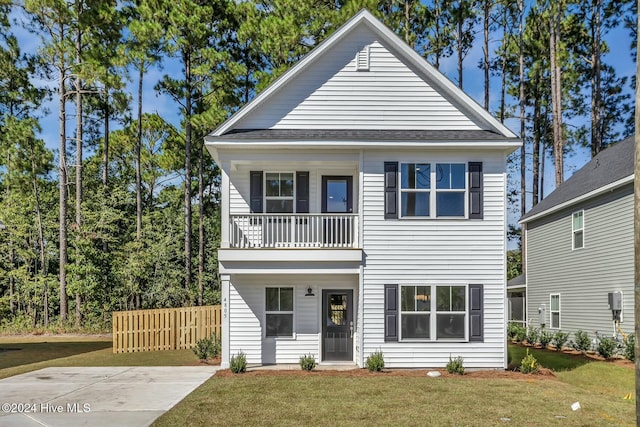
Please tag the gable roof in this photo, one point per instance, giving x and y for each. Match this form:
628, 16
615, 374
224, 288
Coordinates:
608, 170
364, 19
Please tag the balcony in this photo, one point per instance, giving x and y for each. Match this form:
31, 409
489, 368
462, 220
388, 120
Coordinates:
295, 231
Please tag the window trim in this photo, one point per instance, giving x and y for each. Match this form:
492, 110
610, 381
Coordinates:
433, 313
267, 198
433, 191
292, 312
551, 311
576, 230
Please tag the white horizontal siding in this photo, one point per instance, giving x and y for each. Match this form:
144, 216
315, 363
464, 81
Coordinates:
247, 316
332, 94
583, 277
409, 251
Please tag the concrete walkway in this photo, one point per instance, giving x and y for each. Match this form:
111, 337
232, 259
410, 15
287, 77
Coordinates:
98, 396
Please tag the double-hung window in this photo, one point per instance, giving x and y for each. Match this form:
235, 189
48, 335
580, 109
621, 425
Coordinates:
419, 302
451, 312
279, 192
554, 304
578, 229
433, 190
279, 312
415, 308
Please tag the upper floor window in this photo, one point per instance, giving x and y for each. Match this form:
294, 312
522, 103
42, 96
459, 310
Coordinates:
433, 190
578, 229
279, 192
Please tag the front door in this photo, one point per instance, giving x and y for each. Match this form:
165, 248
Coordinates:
337, 325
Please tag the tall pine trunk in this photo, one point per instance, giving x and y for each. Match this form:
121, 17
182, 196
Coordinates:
62, 179
536, 140
187, 173
485, 52
596, 92
201, 226
523, 151
556, 94
41, 244
78, 149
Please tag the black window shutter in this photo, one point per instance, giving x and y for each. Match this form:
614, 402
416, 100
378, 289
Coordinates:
390, 190
255, 185
390, 313
475, 190
302, 192
476, 330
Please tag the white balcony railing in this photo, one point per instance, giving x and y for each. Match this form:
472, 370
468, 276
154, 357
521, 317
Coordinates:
293, 231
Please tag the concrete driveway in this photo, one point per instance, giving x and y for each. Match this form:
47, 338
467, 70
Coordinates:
108, 396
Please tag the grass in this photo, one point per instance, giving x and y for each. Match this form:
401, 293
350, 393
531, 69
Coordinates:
382, 399
557, 361
43, 351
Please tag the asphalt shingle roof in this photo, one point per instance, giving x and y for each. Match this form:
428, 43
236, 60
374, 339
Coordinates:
610, 165
359, 135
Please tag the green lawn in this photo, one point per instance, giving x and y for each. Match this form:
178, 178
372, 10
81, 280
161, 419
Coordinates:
382, 399
30, 353
554, 360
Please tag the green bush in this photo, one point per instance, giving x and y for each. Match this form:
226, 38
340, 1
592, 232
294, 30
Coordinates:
307, 362
606, 347
375, 361
533, 334
455, 366
512, 330
529, 364
208, 348
630, 347
545, 338
560, 339
238, 363
582, 342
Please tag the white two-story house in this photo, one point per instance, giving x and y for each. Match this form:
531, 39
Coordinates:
363, 209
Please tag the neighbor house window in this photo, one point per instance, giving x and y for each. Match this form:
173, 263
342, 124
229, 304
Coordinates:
279, 192
415, 309
279, 312
554, 312
433, 190
449, 303
578, 230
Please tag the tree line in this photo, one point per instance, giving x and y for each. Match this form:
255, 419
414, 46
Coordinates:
125, 213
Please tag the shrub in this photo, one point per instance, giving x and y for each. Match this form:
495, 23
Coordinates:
630, 347
455, 366
582, 342
207, 347
545, 338
533, 334
559, 339
307, 362
521, 333
606, 347
375, 361
238, 363
529, 364
512, 330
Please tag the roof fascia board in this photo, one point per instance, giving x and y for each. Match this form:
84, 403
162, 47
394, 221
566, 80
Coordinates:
575, 200
505, 145
392, 39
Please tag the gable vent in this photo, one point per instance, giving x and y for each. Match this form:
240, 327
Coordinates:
362, 60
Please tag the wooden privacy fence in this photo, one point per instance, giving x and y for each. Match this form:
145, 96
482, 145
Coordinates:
165, 328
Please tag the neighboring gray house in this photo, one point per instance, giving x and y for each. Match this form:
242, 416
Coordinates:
579, 248
517, 300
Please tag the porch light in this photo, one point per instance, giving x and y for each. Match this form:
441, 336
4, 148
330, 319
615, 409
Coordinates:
309, 292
